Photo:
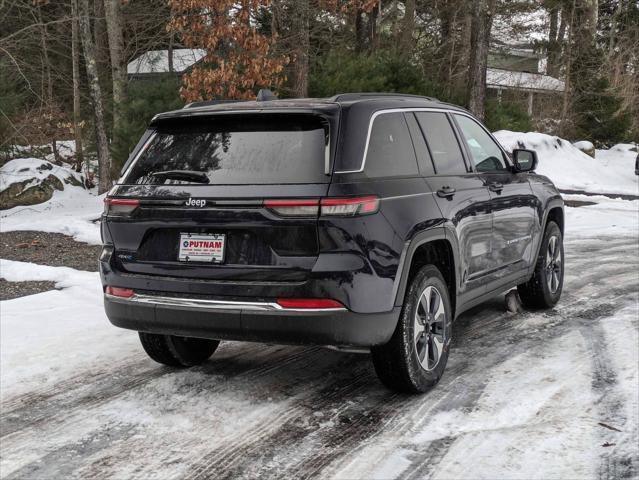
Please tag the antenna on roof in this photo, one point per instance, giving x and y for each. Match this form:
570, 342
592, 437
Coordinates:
265, 94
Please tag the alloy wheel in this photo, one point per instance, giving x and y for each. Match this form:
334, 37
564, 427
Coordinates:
553, 264
429, 328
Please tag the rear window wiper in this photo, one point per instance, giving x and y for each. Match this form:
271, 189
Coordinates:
185, 175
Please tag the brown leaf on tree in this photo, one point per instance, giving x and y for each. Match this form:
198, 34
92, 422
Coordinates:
238, 58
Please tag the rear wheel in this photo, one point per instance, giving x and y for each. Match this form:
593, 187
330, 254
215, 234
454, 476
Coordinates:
415, 357
177, 351
543, 290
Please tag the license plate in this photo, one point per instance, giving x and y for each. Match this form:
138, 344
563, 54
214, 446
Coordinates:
201, 248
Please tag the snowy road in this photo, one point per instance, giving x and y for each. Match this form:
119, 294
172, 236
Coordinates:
523, 395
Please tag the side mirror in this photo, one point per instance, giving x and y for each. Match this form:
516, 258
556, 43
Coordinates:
524, 160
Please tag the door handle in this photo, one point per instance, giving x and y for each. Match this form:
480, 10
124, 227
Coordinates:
446, 192
495, 187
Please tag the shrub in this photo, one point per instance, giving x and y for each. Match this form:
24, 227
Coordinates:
506, 116
145, 99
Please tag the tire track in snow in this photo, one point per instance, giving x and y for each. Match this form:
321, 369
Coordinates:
480, 325
286, 431
296, 443
610, 404
63, 399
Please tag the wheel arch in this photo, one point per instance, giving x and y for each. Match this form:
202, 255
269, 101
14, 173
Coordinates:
555, 214
434, 248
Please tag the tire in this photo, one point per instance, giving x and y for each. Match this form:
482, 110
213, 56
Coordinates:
543, 290
177, 351
403, 364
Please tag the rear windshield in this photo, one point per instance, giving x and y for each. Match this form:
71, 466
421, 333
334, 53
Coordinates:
233, 149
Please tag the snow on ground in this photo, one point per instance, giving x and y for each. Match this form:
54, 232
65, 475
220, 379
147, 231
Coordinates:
524, 396
52, 329
73, 211
607, 217
611, 171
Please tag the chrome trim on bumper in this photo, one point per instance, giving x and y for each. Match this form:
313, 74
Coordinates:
205, 304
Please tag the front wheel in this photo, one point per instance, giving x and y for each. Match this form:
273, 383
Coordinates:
177, 351
415, 357
544, 288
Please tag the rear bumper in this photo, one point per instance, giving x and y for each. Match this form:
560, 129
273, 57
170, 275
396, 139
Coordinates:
249, 321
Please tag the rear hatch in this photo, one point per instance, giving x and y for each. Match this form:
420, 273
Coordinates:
209, 198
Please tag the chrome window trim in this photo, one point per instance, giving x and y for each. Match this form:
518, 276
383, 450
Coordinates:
405, 110
207, 304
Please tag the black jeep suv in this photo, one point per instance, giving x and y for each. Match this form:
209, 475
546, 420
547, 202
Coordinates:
361, 222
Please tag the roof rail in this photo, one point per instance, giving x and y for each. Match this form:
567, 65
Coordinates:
208, 103
344, 97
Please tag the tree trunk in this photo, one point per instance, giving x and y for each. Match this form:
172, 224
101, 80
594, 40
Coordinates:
300, 24
479, 43
408, 25
88, 47
359, 30
75, 65
113, 11
553, 40
45, 56
170, 52
99, 33
372, 30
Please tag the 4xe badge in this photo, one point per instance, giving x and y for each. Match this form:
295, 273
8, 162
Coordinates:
194, 202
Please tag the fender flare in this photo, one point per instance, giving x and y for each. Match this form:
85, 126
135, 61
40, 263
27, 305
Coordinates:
408, 252
555, 202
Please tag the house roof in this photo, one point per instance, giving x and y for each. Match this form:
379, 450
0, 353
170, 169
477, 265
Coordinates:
508, 79
157, 61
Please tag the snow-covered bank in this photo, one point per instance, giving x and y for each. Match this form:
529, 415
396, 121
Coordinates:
36, 170
611, 171
74, 211
608, 217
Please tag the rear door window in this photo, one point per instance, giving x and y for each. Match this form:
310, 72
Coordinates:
390, 150
235, 150
444, 148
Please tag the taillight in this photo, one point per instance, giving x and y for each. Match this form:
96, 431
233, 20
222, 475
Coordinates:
294, 207
342, 206
120, 206
349, 206
119, 292
310, 303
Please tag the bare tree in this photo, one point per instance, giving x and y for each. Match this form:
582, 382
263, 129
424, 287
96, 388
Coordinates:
408, 26
482, 20
113, 10
75, 63
300, 23
104, 159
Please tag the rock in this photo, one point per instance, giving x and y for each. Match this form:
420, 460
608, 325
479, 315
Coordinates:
30, 181
585, 146
26, 193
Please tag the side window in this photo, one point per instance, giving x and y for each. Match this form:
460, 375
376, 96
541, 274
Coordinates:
390, 150
485, 153
444, 148
423, 156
